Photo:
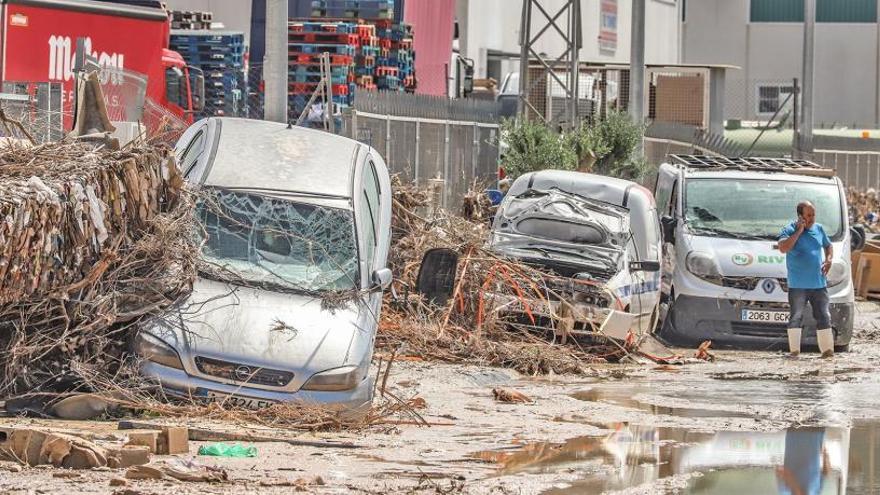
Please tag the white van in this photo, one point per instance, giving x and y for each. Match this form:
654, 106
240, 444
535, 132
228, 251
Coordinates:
586, 227
724, 278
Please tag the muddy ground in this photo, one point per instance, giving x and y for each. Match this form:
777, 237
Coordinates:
745, 423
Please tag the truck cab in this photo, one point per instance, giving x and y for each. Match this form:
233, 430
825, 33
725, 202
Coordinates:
724, 278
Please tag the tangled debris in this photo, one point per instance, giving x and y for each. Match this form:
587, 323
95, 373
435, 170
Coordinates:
467, 328
93, 240
864, 208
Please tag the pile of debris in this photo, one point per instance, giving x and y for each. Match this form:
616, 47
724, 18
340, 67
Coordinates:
466, 328
93, 240
864, 208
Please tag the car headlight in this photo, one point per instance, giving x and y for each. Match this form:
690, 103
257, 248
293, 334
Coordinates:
837, 274
703, 265
153, 349
344, 378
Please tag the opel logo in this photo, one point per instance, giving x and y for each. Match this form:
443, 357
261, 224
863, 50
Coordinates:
242, 373
768, 285
742, 259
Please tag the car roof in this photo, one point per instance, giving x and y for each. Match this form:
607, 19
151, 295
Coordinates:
257, 154
738, 174
599, 187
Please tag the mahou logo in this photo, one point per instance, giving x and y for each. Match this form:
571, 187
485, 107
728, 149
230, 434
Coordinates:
62, 51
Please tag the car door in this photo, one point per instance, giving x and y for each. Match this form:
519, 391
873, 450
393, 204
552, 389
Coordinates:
667, 195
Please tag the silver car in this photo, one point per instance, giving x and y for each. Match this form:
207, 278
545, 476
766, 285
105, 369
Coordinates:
288, 216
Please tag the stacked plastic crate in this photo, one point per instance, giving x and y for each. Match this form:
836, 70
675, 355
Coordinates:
307, 41
220, 55
367, 48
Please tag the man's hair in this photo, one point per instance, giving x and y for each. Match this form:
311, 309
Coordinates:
802, 205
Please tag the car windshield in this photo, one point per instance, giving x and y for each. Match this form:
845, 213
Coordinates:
754, 208
279, 243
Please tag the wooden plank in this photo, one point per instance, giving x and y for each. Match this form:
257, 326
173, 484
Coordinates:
206, 435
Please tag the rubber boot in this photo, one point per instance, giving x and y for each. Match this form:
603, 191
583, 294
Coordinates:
825, 338
794, 341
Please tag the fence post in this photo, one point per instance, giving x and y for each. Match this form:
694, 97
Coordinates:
418, 150
447, 186
388, 140
475, 152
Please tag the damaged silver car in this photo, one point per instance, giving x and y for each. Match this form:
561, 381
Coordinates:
295, 231
601, 237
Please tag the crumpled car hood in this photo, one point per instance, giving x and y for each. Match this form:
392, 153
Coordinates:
262, 328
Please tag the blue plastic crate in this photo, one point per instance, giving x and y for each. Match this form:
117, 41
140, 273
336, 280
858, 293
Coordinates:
319, 48
207, 37
320, 27
335, 70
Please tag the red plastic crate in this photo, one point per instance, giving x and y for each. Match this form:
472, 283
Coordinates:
314, 58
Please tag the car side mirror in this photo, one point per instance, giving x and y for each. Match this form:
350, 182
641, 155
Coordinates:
382, 278
644, 266
667, 228
858, 237
437, 275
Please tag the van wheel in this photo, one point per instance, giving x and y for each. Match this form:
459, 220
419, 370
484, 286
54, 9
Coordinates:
842, 348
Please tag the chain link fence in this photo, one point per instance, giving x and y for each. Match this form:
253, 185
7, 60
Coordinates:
426, 137
36, 107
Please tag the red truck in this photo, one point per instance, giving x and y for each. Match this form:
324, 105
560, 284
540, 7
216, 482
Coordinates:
39, 39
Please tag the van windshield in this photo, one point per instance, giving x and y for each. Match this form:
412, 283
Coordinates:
755, 208
276, 243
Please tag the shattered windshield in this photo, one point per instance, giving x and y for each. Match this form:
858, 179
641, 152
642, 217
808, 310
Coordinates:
756, 209
279, 243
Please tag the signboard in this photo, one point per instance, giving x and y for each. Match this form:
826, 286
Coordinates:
608, 26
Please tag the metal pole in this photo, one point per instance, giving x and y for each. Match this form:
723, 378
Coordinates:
524, 43
576, 42
806, 143
637, 65
796, 90
275, 62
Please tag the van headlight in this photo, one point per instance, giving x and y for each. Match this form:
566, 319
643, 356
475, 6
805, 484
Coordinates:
152, 348
704, 266
837, 274
335, 380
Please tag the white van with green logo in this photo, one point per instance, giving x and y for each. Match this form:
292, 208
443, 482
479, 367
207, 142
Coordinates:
724, 278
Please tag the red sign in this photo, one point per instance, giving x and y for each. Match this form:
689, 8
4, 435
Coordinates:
608, 26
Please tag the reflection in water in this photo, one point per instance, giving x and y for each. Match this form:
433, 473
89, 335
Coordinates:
808, 461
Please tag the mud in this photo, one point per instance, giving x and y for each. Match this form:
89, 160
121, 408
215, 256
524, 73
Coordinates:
743, 424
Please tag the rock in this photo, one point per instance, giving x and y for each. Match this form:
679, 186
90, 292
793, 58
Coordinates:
127, 456
174, 440
118, 482
148, 438
511, 396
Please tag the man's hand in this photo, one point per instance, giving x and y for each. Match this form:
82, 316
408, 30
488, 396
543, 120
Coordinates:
826, 266
801, 225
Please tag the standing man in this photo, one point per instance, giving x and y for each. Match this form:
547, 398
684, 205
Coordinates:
804, 242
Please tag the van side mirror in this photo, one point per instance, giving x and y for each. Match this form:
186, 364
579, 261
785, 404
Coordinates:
858, 237
382, 278
644, 266
197, 86
437, 275
667, 228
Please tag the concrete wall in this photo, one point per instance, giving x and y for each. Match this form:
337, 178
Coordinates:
719, 32
234, 14
495, 25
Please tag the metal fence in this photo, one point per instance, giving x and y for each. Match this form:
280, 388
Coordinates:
425, 137
36, 106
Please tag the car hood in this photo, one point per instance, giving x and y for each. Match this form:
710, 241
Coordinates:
744, 258
262, 328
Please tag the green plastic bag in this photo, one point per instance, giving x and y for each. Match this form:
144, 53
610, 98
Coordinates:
225, 450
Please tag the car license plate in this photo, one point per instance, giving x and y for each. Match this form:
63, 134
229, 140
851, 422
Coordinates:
236, 401
765, 316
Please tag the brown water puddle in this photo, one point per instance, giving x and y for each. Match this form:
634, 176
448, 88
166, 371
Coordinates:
834, 460
624, 398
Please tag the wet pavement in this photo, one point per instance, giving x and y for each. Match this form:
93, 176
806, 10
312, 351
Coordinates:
750, 423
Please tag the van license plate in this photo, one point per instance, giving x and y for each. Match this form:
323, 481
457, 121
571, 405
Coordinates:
765, 316
242, 402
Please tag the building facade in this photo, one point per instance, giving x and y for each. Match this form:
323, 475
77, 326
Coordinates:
765, 39
489, 32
